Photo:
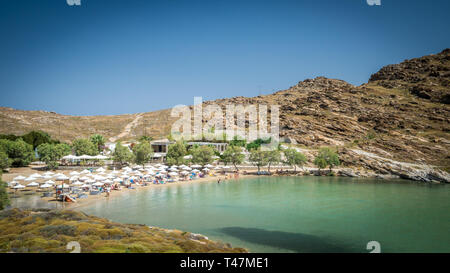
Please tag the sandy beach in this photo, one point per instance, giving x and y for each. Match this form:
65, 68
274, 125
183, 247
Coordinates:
91, 199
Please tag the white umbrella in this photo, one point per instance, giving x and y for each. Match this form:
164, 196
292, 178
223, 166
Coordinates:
97, 184
69, 157
86, 157
20, 177
173, 174
195, 171
187, 168
163, 171
61, 177
117, 180
31, 178
90, 181
74, 173
184, 172
226, 167
33, 184
36, 175
49, 182
209, 166
205, 169
173, 169
44, 186
85, 172
65, 186
78, 183
217, 168
100, 170
74, 178
99, 178
47, 176
196, 166
49, 173
83, 178
108, 181
19, 186
182, 166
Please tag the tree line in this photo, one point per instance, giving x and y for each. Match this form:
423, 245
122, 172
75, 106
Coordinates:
16, 152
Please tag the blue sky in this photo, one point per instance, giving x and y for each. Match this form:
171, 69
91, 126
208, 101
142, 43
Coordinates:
122, 56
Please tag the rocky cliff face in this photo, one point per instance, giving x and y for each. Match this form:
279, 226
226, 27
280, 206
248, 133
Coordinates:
381, 131
427, 77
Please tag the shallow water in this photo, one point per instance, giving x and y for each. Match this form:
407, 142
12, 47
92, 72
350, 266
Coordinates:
296, 214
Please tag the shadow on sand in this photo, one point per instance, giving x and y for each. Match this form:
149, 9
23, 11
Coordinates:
298, 242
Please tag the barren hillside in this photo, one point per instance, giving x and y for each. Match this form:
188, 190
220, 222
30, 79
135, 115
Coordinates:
401, 115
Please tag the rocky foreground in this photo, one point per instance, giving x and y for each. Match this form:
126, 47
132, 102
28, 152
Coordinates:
53, 231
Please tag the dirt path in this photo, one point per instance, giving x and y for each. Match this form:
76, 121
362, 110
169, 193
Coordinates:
126, 131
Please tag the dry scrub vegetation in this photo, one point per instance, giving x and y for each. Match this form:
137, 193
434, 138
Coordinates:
50, 231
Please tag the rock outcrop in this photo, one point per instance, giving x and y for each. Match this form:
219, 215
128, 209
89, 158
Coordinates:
427, 77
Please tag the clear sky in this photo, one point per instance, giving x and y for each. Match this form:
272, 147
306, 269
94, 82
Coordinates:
128, 56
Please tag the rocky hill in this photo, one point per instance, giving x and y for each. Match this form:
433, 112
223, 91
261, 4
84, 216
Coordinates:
427, 77
396, 124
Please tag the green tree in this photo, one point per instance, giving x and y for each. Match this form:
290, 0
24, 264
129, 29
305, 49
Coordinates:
237, 142
327, 157
258, 158
294, 158
52, 153
256, 144
9, 137
82, 146
37, 138
233, 155
145, 138
273, 157
202, 155
122, 154
176, 153
99, 141
4, 198
4, 160
142, 153
19, 152
64, 149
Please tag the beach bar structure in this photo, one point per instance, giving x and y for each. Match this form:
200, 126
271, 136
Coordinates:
161, 145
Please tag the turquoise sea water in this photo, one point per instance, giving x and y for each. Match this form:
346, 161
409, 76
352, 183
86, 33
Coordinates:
296, 214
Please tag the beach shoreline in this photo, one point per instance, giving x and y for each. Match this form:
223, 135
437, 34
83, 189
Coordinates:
93, 199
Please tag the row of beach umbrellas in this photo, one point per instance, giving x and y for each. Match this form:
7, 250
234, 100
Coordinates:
85, 177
